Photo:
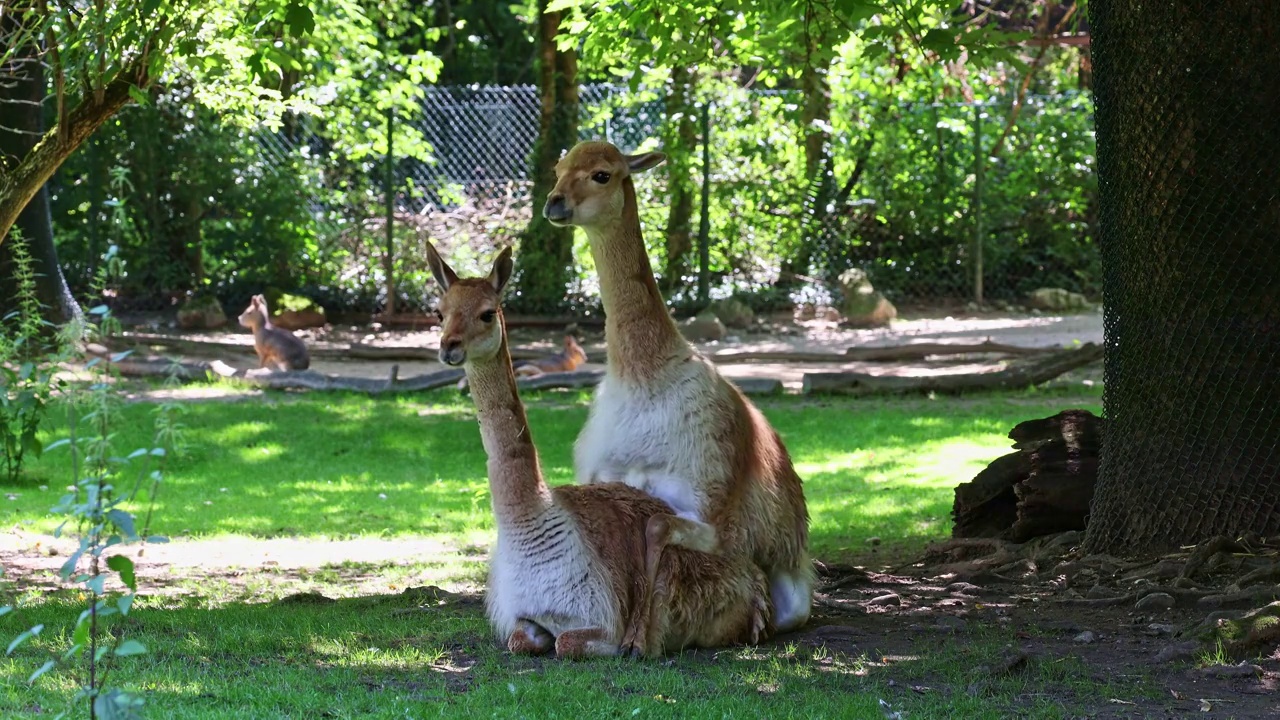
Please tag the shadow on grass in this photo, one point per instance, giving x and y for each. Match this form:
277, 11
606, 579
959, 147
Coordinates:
338, 466
421, 654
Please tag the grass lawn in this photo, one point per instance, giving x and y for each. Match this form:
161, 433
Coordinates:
326, 467
349, 466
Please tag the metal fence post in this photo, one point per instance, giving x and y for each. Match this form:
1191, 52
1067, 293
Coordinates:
704, 222
389, 259
978, 162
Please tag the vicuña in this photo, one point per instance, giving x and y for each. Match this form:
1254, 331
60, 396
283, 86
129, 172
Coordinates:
664, 420
568, 572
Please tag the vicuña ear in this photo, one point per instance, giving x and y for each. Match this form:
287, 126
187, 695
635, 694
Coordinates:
440, 270
645, 161
501, 271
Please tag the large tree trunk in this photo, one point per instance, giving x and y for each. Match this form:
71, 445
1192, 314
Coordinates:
1188, 128
681, 133
20, 182
22, 92
815, 117
545, 263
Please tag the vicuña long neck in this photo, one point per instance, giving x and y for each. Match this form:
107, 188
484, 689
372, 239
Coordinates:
640, 333
515, 477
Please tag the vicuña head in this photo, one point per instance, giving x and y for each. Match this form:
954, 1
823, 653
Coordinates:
592, 183
470, 310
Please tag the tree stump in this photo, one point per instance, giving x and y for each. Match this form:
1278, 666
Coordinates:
1044, 487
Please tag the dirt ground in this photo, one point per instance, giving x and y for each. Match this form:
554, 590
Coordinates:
884, 616
775, 335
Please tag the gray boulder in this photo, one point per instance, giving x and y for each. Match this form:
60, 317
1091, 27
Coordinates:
201, 313
1057, 300
703, 327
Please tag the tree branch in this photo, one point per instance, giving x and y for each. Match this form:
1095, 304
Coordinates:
20, 184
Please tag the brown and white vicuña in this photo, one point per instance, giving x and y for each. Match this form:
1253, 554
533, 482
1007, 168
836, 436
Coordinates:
568, 569
276, 347
664, 420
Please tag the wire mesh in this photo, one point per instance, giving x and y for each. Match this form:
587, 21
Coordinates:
1189, 161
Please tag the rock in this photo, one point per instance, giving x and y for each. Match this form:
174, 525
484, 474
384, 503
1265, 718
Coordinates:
888, 599
1177, 651
1244, 669
872, 540
1156, 601
805, 311
862, 305
733, 312
1097, 592
1088, 637
963, 588
201, 313
948, 623
1159, 629
830, 314
294, 312
705, 326
1057, 299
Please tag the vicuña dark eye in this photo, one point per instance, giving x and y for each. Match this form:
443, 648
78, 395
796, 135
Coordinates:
439, 315
487, 316
601, 177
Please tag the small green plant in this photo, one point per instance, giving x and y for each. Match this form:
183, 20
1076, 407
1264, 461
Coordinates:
30, 350
106, 486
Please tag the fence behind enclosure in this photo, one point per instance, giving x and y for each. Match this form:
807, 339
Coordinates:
905, 200
917, 218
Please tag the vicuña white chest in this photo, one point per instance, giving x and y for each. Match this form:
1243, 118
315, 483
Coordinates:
664, 438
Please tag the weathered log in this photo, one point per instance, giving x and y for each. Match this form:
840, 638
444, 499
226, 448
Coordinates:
294, 380
1044, 487
1014, 377
421, 320
336, 351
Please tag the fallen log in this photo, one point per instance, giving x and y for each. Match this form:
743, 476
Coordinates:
422, 320
591, 378
1014, 377
293, 380
193, 371
336, 351
920, 351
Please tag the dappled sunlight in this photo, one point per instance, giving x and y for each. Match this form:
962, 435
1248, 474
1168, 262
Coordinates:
349, 466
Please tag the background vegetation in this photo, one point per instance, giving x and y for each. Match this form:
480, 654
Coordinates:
865, 154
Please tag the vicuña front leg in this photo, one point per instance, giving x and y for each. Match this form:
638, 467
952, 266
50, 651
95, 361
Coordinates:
583, 643
530, 638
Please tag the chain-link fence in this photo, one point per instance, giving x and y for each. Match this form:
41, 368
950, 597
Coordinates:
915, 194
1189, 157
918, 200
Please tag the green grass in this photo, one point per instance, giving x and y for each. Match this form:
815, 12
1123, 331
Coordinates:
397, 657
318, 466
347, 466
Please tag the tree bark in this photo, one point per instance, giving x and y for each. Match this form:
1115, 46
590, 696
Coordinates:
22, 93
19, 183
815, 117
681, 133
545, 262
1188, 132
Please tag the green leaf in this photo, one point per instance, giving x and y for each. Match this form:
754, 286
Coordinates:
130, 647
558, 5
5, 610
139, 97
23, 636
300, 19
125, 603
122, 520
46, 667
124, 566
